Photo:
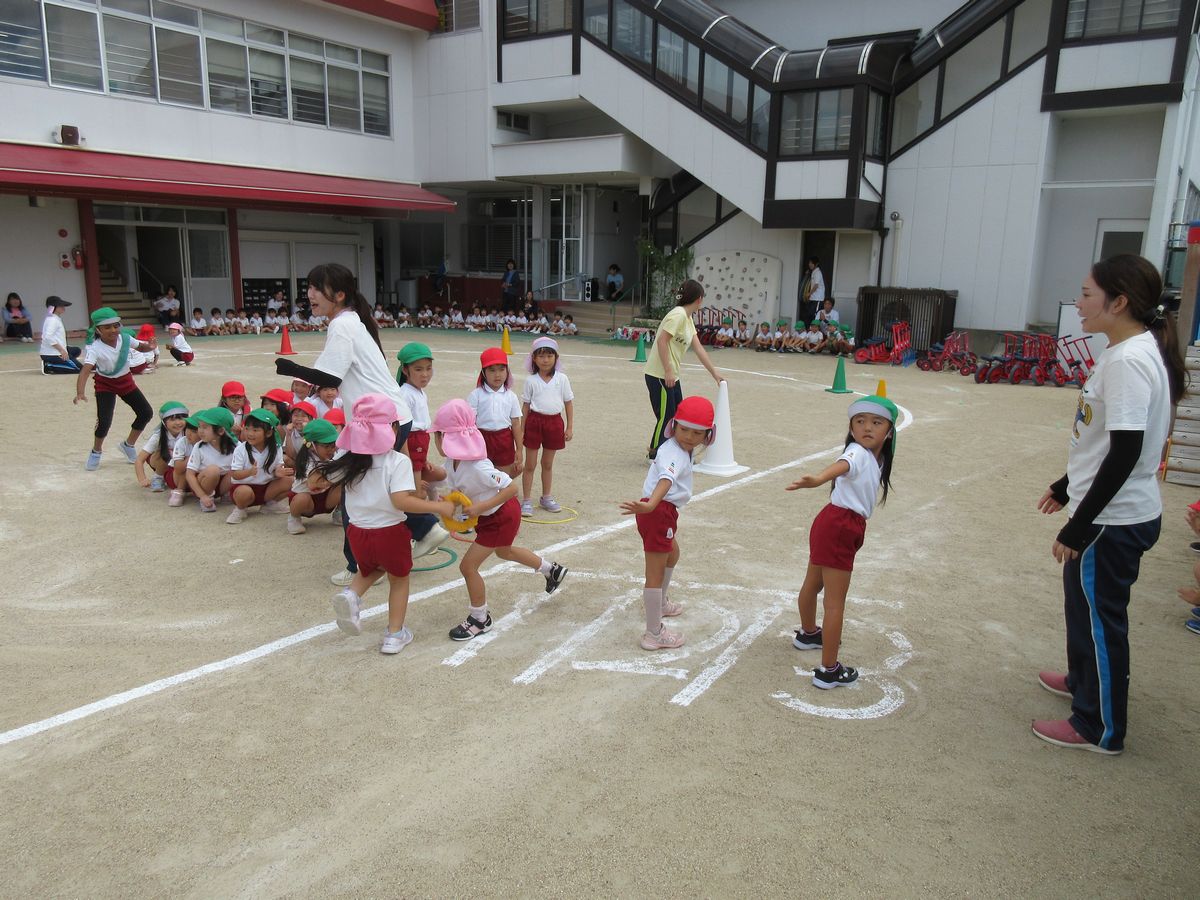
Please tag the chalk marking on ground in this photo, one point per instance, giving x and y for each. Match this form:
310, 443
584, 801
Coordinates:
723, 663
526, 605
563, 651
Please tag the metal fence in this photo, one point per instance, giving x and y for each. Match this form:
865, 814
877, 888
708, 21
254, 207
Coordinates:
929, 311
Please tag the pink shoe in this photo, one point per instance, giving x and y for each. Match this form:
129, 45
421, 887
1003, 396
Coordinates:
176, 498
1061, 733
207, 504
670, 609
1055, 683
664, 640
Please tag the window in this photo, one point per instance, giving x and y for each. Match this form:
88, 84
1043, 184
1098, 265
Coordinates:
510, 121
1107, 18
973, 69
21, 39
525, 17
457, 15
206, 253
308, 91
137, 7
595, 19
632, 33
73, 39
268, 84
914, 110
345, 110
726, 93
816, 122
130, 57
760, 117
377, 116
173, 12
179, 78
1031, 24
678, 62
228, 79
876, 108
263, 34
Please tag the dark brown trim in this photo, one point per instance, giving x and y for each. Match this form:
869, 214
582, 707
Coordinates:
1004, 53
539, 36
577, 18
91, 254
1127, 96
499, 6
235, 257
858, 140
774, 125
1054, 43
1155, 35
937, 97
822, 214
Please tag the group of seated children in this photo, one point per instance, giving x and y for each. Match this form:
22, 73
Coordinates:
824, 334
253, 322
481, 318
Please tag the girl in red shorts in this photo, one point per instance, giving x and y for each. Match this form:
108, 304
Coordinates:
837, 532
416, 371
667, 488
494, 500
378, 485
498, 412
311, 493
546, 397
259, 474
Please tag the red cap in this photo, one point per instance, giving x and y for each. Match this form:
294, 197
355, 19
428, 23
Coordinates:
334, 417
146, 332
232, 389
305, 407
493, 356
279, 395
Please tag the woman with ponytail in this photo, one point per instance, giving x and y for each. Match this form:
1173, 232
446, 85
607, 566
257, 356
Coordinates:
1111, 494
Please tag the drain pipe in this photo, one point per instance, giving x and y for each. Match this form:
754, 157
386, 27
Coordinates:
897, 232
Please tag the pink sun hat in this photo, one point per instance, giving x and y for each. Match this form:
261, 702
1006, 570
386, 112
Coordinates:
547, 343
370, 429
455, 421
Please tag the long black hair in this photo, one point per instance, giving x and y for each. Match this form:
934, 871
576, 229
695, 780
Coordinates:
225, 442
689, 292
164, 437
886, 453
330, 279
346, 470
272, 445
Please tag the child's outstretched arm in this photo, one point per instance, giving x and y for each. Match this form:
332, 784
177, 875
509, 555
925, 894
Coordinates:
81, 383
409, 502
484, 507
638, 507
841, 467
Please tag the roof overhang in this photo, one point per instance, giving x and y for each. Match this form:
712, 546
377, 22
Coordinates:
417, 13
91, 174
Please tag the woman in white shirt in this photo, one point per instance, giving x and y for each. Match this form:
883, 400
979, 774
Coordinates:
57, 357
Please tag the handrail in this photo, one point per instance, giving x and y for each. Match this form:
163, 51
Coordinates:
139, 268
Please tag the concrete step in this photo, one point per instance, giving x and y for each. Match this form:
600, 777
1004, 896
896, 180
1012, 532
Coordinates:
597, 319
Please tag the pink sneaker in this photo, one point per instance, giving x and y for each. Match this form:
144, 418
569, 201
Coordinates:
664, 640
1060, 733
670, 609
176, 498
1055, 683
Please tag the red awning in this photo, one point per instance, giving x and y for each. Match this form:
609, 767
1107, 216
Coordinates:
417, 13
58, 171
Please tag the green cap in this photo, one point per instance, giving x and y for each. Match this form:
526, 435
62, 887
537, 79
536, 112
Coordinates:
816, 322
265, 416
727, 321
846, 329
880, 406
217, 416
410, 353
172, 408
193, 421
105, 315
781, 322
319, 431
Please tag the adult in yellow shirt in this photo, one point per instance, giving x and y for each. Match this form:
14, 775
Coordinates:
676, 332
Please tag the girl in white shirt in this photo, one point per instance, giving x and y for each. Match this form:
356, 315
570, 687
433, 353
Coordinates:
325, 399
492, 497
311, 493
416, 371
256, 323
498, 412
176, 474
209, 464
259, 473
837, 532
159, 447
547, 395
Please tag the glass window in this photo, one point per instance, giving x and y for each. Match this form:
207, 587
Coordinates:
914, 110
834, 114
1031, 25
137, 7
205, 216
345, 111
264, 34
516, 17
376, 61
73, 38
973, 69
760, 117
377, 117
876, 106
308, 91
303, 44
225, 25
632, 33
1160, 14
797, 122
678, 62
179, 77
206, 253
228, 78
457, 15
595, 19
697, 214
553, 15
341, 53
1105, 18
130, 57
725, 91
268, 84
21, 39
180, 15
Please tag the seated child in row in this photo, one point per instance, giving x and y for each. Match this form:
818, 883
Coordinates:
312, 494
160, 446
259, 474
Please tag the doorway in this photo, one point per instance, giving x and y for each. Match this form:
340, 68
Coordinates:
823, 245
1115, 236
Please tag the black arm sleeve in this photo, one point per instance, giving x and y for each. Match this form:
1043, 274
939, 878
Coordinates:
312, 376
1058, 490
1123, 451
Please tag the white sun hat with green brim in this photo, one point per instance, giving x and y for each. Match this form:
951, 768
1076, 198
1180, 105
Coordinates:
875, 405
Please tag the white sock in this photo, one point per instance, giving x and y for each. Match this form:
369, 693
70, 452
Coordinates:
544, 568
479, 613
653, 600
666, 581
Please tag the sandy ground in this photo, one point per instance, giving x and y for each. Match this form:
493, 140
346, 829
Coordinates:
558, 759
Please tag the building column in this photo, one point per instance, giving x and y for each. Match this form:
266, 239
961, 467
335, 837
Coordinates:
91, 254
235, 258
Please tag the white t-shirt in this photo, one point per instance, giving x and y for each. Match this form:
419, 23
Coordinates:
322, 407
53, 332
218, 322
151, 444
675, 464
205, 454
369, 500
494, 410
570, 327
418, 406
830, 317
818, 287
547, 397
352, 356
478, 479
813, 337
182, 448
199, 323
104, 357
180, 344
256, 321
858, 489
241, 460
1128, 390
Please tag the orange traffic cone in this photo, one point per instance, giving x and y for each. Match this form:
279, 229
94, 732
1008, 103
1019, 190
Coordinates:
285, 344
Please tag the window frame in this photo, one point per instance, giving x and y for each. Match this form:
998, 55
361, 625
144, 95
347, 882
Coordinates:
1139, 34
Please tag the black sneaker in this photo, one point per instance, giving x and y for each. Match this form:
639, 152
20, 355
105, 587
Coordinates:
838, 677
555, 578
470, 627
804, 641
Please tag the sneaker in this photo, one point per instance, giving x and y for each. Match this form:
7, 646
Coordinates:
840, 676
336, 517
469, 628
429, 543
275, 506
526, 508
555, 578
1055, 683
1061, 733
295, 525
670, 610
342, 578
804, 641
207, 504
158, 484
1192, 625
664, 640
395, 641
176, 498
549, 504
1195, 545
93, 461
346, 608
236, 517
130, 452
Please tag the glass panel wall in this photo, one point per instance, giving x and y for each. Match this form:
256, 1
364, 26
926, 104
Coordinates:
130, 55
876, 119
914, 111
678, 63
228, 78
73, 39
1031, 26
21, 39
1109, 18
816, 122
760, 117
179, 78
974, 68
726, 93
632, 33
595, 19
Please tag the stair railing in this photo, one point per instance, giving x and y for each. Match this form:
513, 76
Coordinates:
139, 268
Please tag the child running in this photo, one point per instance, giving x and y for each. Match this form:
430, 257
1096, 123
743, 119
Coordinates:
667, 489
498, 412
211, 460
159, 448
494, 500
311, 493
837, 532
378, 485
107, 354
259, 474
547, 395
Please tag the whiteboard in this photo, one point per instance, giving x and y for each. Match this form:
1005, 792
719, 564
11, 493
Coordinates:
1070, 325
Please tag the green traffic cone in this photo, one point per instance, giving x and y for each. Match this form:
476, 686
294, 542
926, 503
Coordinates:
839, 379
640, 355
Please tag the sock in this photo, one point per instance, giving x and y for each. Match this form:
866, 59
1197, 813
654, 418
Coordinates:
833, 668
544, 568
666, 581
479, 613
804, 630
653, 600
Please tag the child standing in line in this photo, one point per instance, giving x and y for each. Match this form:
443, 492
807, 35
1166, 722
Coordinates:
498, 412
547, 395
181, 351
259, 473
159, 448
233, 398
416, 371
209, 465
379, 490
667, 489
311, 493
107, 354
176, 474
837, 532
494, 499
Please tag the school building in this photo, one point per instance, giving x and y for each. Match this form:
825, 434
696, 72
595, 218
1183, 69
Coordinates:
994, 147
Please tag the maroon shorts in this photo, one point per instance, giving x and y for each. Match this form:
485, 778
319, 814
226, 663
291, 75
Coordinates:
119, 386
260, 492
318, 502
499, 528
182, 357
169, 477
501, 448
659, 527
388, 548
835, 536
543, 430
418, 450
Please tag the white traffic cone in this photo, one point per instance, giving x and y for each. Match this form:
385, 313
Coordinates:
718, 459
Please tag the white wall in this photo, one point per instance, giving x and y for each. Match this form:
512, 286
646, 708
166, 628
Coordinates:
744, 233
1123, 64
812, 179
807, 24
258, 225
614, 233
1107, 146
453, 122
855, 267
544, 58
29, 257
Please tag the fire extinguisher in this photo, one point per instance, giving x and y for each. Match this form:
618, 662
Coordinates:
77, 256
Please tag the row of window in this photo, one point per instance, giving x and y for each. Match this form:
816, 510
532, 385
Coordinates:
176, 54
457, 15
1105, 18
528, 17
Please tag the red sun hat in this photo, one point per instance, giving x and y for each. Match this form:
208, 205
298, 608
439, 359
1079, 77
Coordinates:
335, 417
279, 395
146, 332
305, 407
233, 389
694, 412
494, 356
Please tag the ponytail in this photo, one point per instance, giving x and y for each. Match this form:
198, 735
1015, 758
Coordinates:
689, 292
1165, 331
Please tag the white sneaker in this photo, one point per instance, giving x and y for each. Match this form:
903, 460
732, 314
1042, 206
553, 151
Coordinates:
395, 641
664, 640
176, 498
275, 506
158, 484
429, 543
295, 525
527, 507
347, 607
130, 452
342, 578
336, 517
236, 517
